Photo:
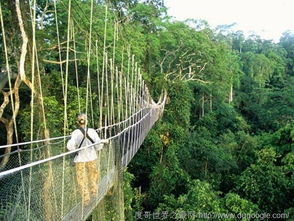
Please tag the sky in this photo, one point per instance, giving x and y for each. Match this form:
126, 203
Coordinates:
266, 18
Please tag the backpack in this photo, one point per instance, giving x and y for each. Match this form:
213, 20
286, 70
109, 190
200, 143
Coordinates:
72, 156
85, 135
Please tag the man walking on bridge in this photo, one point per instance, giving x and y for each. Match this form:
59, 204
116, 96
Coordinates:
85, 160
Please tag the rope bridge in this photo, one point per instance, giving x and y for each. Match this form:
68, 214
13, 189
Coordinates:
47, 186
38, 177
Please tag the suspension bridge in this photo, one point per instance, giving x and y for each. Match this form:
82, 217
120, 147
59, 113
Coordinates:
38, 176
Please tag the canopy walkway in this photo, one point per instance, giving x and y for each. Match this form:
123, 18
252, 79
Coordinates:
38, 177
46, 188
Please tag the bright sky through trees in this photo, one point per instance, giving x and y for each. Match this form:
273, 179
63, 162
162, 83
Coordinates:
267, 18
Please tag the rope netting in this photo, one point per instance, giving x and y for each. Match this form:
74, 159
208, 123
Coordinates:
46, 178
38, 177
34, 192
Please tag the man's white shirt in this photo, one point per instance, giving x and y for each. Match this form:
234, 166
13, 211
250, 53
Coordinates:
89, 153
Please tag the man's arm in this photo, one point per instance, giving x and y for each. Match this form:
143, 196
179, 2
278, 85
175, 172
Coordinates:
105, 141
97, 139
102, 141
71, 144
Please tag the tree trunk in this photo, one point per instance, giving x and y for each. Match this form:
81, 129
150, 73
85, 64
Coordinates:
9, 124
231, 94
24, 42
47, 187
4, 104
9, 137
206, 167
210, 102
202, 106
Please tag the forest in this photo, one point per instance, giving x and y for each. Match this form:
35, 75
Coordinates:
225, 143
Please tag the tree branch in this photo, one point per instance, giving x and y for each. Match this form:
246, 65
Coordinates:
196, 79
58, 62
4, 120
5, 102
16, 95
24, 42
43, 15
62, 43
63, 49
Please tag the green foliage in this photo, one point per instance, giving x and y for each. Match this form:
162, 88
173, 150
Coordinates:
244, 151
229, 119
264, 183
204, 158
166, 178
132, 197
200, 198
220, 147
234, 204
258, 67
286, 42
179, 95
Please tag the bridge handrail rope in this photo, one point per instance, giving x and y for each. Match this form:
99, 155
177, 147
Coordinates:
20, 150
67, 136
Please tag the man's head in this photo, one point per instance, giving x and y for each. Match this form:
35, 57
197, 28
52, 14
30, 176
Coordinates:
82, 119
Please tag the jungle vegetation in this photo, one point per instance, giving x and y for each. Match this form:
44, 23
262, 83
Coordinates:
225, 141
